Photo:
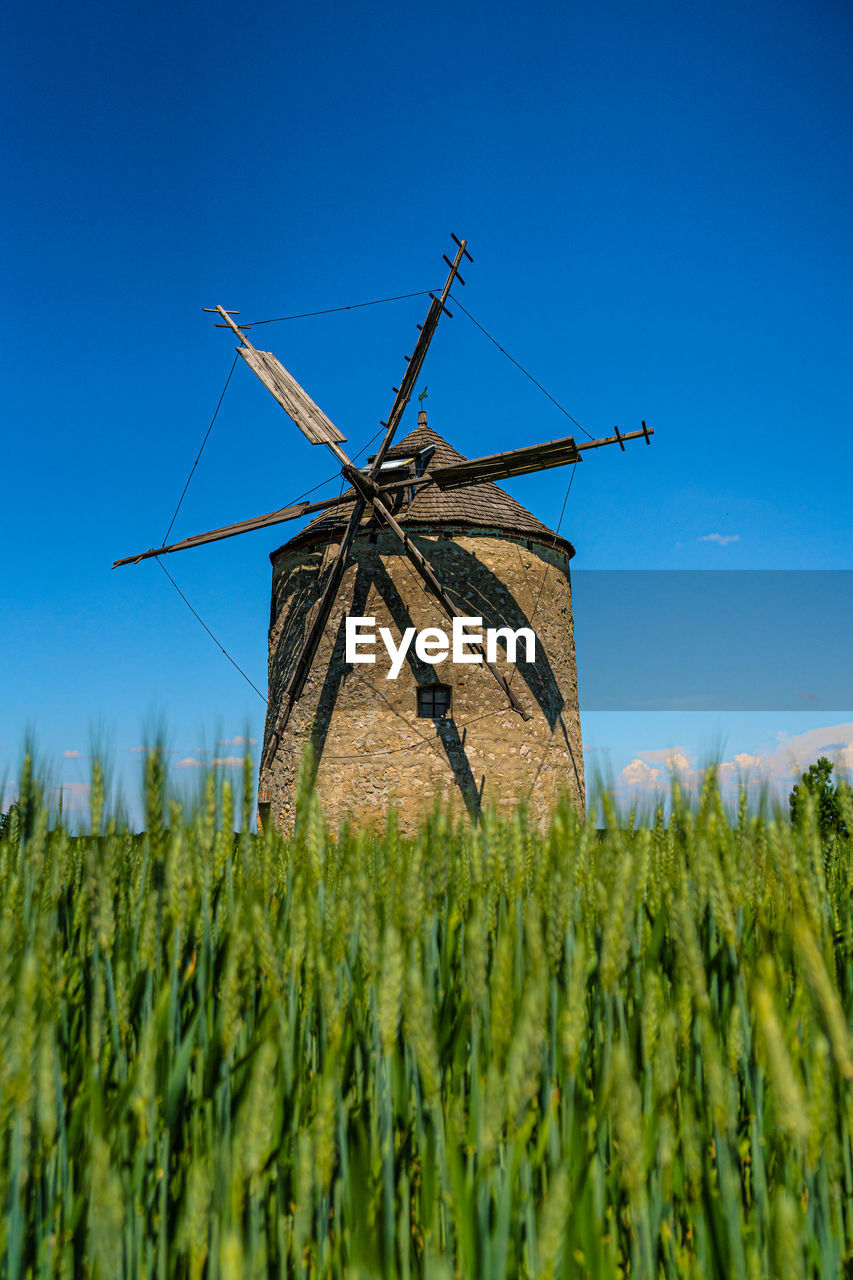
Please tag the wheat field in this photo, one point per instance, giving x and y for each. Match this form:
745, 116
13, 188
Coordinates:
485, 1052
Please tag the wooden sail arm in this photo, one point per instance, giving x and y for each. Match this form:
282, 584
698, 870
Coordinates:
502, 466
280, 516
415, 361
644, 433
294, 399
242, 526
531, 458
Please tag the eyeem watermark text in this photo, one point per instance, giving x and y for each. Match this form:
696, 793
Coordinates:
434, 645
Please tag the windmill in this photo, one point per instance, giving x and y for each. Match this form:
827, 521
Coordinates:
398, 542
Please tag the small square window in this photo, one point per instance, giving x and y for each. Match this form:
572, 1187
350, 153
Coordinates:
434, 701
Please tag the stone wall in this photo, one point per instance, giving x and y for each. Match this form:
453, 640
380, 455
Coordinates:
371, 749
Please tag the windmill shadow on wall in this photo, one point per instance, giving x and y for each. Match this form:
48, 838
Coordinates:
338, 672
496, 605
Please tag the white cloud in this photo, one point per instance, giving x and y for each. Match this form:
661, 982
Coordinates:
137, 750
639, 774
667, 755
795, 754
237, 741
649, 770
743, 763
193, 762
642, 774
71, 755
723, 539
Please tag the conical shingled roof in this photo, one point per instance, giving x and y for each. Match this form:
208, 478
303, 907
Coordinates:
480, 505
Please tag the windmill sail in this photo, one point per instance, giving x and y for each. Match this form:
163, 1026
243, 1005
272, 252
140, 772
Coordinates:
296, 403
242, 526
312, 640
500, 466
533, 457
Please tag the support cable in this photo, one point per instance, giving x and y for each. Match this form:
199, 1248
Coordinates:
521, 367
353, 306
200, 452
208, 630
556, 536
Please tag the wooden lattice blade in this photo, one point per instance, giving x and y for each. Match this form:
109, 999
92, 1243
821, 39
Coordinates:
294, 400
501, 466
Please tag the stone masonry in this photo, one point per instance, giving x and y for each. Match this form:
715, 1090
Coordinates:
371, 750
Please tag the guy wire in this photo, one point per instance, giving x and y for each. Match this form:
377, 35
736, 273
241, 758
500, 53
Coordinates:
201, 450
208, 630
353, 306
527, 374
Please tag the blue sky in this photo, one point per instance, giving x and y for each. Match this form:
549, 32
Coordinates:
658, 201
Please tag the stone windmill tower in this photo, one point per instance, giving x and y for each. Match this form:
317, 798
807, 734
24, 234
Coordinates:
421, 634
438, 726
